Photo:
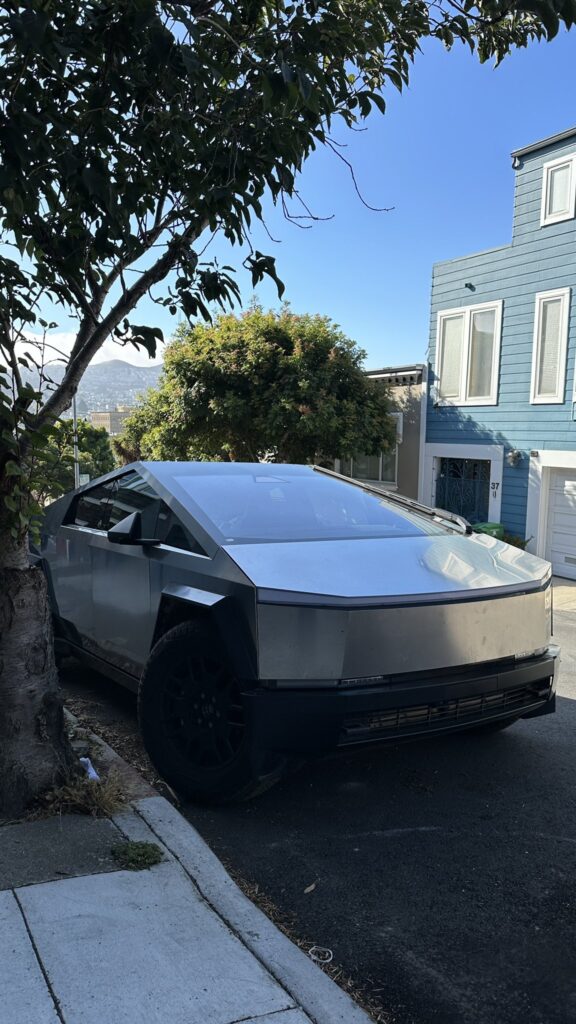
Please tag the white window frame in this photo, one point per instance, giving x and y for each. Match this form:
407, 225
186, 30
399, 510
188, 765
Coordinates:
391, 485
541, 297
468, 312
548, 168
394, 482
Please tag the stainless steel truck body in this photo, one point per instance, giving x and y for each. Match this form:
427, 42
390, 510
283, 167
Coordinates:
265, 611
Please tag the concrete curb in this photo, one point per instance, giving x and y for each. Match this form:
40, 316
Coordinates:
310, 988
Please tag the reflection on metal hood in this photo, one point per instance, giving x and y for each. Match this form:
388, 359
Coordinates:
403, 567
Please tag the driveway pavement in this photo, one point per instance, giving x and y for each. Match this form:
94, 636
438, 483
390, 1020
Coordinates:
444, 871
564, 595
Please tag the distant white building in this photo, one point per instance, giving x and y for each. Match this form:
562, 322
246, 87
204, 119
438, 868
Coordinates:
111, 419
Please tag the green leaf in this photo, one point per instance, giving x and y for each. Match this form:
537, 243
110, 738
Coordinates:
379, 101
146, 337
261, 266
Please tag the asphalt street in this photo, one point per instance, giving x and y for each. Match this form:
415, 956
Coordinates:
444, 871
441, 874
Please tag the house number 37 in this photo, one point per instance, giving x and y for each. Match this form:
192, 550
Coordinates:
494, 485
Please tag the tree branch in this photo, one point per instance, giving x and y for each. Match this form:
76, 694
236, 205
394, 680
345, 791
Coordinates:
61, 398
88, 325
151, 236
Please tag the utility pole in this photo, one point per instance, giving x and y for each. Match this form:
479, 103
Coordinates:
75, 444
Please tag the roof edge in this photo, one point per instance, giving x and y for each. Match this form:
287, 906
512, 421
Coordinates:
543, 143
412, 373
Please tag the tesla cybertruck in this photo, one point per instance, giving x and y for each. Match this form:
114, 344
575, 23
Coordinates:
266, 613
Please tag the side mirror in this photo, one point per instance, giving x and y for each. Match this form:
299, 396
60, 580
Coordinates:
128, 531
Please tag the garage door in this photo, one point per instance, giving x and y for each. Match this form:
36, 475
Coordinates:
561, 547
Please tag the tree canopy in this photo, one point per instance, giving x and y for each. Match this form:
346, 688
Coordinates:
131, 131
272, 386
95, 457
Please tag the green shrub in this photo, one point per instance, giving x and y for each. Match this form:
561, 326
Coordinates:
515, 540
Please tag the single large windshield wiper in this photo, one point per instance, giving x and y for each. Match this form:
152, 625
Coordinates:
438, 514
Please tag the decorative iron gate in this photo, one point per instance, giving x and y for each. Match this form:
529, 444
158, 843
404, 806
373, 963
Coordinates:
463, 486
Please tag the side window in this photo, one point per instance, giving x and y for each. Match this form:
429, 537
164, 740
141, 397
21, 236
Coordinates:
558, 190
170, 530
550, 347
133, 494
92, 507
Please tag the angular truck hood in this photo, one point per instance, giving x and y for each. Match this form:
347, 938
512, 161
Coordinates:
401, 567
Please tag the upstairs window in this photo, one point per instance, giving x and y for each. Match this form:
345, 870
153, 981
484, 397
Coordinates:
549, 349
558, 190
468, 354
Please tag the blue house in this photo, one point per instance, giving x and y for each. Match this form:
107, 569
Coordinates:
501, 416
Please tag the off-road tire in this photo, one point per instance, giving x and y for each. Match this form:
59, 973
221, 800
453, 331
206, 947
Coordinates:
186, 689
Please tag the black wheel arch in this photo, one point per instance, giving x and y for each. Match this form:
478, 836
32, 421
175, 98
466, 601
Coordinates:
193, 723
224, 615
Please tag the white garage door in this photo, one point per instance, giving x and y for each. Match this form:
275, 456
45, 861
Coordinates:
561, 546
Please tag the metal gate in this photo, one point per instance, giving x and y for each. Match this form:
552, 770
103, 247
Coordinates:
463, 486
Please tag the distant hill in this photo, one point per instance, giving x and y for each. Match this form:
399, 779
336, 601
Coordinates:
107, 385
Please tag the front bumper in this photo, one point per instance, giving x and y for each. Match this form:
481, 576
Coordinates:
314, 720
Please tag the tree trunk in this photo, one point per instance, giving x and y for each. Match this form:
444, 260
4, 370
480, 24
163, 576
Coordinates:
34, 750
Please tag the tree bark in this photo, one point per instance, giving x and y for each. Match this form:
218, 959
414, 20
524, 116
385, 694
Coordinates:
34, 749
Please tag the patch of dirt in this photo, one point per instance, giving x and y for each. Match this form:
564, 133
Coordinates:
122, 736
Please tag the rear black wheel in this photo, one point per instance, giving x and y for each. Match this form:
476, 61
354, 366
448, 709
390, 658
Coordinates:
193, 722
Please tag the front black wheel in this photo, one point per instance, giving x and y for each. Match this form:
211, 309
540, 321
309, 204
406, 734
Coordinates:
193, 722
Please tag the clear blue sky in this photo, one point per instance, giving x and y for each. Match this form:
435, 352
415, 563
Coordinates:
441, 158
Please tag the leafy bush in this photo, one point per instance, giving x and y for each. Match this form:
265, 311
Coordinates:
516, 541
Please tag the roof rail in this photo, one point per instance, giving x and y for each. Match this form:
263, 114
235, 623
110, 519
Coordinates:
434, 513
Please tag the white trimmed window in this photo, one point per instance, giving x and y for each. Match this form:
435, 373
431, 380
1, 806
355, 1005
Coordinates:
381, 468
558, 190
468, 354
550, 344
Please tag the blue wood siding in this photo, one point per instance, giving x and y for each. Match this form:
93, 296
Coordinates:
538, 259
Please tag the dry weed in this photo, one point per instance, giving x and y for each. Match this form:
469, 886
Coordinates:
81, 795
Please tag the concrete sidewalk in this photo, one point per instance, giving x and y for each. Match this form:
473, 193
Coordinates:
82, 942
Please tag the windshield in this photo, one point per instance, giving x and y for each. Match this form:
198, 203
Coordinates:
293, 507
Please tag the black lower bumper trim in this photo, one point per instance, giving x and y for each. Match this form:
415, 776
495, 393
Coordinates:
457, 712
312, 720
